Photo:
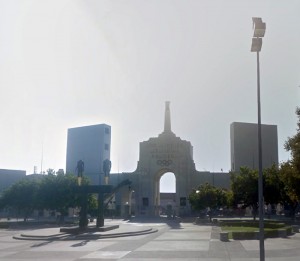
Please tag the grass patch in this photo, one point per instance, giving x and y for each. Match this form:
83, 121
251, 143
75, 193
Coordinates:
239, 229
249, 230
251, 223
4, 225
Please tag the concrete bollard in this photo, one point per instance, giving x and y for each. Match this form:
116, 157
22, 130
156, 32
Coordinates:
282, 233
224, 236
295, 229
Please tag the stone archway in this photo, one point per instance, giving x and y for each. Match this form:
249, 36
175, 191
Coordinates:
166, 153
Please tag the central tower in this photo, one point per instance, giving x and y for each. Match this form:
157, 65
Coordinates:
167, 118
167, 123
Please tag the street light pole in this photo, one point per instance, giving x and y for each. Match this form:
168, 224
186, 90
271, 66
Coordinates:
259, 32
260, 174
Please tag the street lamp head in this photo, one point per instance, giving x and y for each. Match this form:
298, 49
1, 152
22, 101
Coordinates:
259, 32
256, 44
259, 27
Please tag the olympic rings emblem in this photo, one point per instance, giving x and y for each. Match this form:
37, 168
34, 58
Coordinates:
164, 162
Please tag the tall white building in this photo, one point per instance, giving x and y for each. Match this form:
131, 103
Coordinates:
244, 145
91, 144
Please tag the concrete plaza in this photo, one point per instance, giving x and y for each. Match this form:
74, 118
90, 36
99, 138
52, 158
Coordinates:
166, 241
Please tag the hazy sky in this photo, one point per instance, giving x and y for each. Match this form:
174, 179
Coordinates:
73, 63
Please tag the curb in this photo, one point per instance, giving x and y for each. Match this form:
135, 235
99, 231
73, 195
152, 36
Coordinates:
84, 236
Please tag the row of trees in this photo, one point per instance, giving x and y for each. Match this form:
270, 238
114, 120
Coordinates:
278, 187
281, 184
51, 192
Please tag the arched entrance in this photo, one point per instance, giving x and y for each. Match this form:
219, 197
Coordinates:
167, 183
167, 194
165, 180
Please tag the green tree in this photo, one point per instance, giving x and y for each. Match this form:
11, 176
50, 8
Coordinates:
52, 192
244, 186
208, 196
290, 178
22, 196
274, 187
290, 170
93, 204
57, 192
293, 145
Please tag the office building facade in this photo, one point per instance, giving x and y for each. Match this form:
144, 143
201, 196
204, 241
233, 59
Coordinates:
92, 145
244, 145
10, 176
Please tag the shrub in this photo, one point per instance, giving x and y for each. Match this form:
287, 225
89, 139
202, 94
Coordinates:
244, 235
4, 225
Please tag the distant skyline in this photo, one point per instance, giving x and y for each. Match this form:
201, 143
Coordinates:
67, 64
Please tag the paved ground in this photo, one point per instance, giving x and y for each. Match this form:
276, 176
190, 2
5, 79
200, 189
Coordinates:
173, 241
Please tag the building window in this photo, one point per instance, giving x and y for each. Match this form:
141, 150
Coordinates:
106, 146
106, 130
145, 202
182, 202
